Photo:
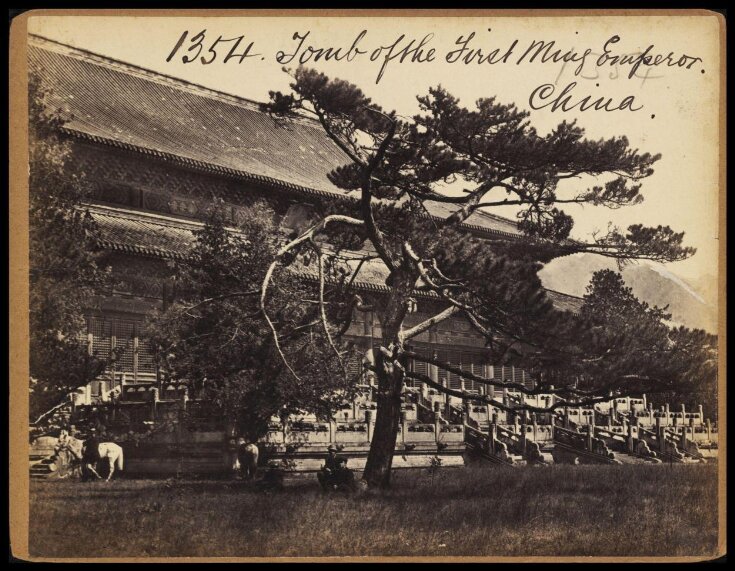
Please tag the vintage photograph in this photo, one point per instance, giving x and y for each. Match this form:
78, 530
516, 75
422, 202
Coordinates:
339, 284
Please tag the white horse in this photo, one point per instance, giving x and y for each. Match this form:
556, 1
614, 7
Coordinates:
247, 458
107, 450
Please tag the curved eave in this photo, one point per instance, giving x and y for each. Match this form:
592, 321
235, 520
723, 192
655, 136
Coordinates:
139, 250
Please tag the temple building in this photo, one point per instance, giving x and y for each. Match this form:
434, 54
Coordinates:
156, 150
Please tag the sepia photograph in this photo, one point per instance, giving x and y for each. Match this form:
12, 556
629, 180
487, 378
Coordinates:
367, 285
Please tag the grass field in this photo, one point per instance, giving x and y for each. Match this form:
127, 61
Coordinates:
623, 510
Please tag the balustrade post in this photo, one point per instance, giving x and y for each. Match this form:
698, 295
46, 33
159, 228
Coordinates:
534, 423
660, 435
590, 432
592, 427
370, 425
631, 446
709, 430
524, 425
566, 417
404, 426
493, 435
154, 402
683, 438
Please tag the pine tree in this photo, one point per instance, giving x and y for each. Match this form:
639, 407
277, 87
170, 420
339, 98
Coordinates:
400, 168
214, 335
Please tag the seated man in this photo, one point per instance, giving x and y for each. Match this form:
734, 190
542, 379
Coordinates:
334, 472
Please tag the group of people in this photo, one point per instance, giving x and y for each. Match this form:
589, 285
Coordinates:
334, 474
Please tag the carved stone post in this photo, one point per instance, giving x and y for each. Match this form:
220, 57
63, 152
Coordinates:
630, 438
591, 429
524, 431
590, 432
660, 435
493, 434
370, 425
154, 402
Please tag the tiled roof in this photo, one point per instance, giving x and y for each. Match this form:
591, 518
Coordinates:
115, 103
564, 301
144, 234
166, 237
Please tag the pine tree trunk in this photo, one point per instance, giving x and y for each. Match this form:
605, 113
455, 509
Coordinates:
390, 385
380, 458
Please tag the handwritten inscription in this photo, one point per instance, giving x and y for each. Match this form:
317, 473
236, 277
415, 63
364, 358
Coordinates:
544, 96
302, 49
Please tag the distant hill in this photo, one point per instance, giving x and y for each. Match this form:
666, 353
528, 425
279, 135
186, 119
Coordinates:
690, 305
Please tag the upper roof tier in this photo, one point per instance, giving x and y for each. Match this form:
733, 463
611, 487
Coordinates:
116, 103
151, 234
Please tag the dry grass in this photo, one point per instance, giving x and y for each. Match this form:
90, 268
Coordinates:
561, 510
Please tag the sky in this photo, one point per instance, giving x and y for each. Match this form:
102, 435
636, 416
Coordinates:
679, 106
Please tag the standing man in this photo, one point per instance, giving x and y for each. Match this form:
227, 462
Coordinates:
91, 452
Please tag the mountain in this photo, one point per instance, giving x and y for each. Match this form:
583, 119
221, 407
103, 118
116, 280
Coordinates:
691, 305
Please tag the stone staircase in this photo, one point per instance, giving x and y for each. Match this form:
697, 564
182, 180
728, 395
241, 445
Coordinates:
41, 458
42, 469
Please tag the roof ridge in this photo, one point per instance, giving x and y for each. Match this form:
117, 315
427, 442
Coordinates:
42, 42
496, 216
563, 293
